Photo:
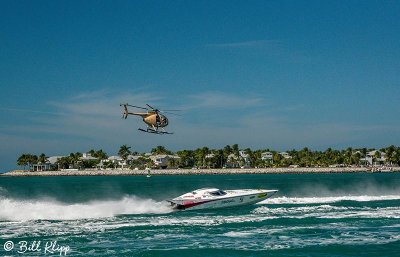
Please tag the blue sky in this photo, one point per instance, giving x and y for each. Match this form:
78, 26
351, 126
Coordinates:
263, 74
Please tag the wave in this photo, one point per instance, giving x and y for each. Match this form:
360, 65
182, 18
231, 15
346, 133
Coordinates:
328, 199
330, 212
23, 210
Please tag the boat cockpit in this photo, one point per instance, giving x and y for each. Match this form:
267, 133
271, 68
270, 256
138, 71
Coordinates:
217, 193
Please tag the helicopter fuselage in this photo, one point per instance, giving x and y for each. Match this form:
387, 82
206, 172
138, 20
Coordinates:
153, 119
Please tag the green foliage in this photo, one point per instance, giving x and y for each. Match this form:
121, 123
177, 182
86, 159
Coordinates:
124, 152
98, 154
160, 150
26, 160
227, 157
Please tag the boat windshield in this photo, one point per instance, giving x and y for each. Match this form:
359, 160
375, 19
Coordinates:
218, 193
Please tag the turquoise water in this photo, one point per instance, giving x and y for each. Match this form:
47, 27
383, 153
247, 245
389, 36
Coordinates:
311, 215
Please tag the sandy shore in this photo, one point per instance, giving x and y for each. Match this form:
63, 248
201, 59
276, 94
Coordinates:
126, 172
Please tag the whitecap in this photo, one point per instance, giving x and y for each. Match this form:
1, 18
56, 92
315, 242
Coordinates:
328, 199
238, 234
22, 210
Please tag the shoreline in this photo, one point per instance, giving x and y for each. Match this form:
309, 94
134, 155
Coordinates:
128, 172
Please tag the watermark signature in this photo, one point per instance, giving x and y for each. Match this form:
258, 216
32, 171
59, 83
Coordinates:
45, 247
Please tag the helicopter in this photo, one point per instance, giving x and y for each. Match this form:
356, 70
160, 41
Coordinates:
153, 117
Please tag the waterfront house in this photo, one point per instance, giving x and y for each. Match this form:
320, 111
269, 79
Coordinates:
87, 157
374, 158
285, 155
267, 156
115, 161
162, 160
131, 158
245, 158
54, 159
210, 156
232, 161
40, 167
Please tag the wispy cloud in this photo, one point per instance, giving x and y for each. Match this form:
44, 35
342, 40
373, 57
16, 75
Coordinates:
28, 111
213, 118
102, 103
215, 99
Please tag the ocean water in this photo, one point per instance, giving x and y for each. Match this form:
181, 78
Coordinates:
311, 215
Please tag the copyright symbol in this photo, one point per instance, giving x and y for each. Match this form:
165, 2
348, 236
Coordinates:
8, 246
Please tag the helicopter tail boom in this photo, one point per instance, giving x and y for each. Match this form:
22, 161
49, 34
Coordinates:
126, 112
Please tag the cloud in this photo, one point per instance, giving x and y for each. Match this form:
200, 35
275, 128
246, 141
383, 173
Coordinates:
102, 103
86, 120
28, 111
213, 119
215, 99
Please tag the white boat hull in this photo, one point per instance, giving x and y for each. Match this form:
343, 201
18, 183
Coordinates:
231, 199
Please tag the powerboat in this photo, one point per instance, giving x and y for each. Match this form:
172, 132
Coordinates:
211, 198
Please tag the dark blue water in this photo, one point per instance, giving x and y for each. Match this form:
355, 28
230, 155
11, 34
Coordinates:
312, 215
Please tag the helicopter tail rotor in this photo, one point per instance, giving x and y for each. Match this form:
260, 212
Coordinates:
125, 113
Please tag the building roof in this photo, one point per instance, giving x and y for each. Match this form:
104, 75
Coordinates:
164, 156
88, 157
210, 155
54, 159
266, 153
133, 157
115, 158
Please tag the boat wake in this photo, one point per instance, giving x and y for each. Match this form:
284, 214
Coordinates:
45, 209
328, 199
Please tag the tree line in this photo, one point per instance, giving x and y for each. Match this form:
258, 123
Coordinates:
229, 156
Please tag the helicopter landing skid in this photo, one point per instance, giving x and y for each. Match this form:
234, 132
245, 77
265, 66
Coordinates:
155, 131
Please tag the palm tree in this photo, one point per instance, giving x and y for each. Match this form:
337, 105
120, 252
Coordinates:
160, 150
26, 160
348, 153
377, 155
186, 158
63, 162
235, 149
200, 155
21, 161
74, 158
42, 158
124, 152
390, 152
356, 157
100, 154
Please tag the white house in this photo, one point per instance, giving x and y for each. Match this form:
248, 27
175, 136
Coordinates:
267, 156
133, 157
53, 160
161, 160
115, 159
285, 155
41, 167
87, 157
370, 159
245, 157
210, 156
232, 161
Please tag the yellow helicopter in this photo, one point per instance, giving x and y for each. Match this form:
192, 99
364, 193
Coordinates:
153, 117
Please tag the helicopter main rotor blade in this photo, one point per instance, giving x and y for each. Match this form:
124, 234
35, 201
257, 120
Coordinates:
144, 108
171, 113
151, 107
171, 110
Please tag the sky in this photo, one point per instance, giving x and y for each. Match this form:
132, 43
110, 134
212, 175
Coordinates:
263, 74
